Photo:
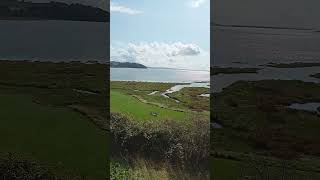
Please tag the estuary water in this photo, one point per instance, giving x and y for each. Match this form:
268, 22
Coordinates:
159, 75
252, 47
190, 77
54, 40
224, 80
312, 107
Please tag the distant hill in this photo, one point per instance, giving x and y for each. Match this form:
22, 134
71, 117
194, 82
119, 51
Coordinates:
259, 27
115, 64
16, 10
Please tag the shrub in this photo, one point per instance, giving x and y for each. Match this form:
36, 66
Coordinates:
183, 143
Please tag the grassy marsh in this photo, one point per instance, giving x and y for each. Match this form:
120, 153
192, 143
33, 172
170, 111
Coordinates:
38, 118
258, 128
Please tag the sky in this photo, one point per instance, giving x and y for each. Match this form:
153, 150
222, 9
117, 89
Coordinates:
166, 33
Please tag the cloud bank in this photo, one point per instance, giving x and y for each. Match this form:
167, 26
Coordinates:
114, 7
196, 3
160, 54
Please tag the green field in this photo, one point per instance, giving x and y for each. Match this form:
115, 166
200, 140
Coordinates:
133, 99
38, 120
138, 110
189, 99
57, 136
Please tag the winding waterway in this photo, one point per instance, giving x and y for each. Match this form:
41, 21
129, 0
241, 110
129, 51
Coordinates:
312, 107
178, 87
189, 78
221, 81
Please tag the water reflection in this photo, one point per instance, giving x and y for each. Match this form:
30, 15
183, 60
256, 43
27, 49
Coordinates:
313, 107
54, 41
224, 80
159, 75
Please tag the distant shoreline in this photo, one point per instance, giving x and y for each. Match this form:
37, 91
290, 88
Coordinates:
163, 68
262, 27
116, 64
56, 62
44, 19
293, 65
179, 69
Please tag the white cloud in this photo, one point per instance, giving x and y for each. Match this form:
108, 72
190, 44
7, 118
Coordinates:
159, 54
196, 3
114, 7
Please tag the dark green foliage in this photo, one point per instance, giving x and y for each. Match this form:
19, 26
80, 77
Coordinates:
13, 167
119, 170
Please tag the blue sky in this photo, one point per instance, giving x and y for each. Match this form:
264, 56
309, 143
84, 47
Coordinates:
166, 33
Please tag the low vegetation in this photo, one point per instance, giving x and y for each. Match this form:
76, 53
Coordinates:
60, 109
317, 75
232, 70
191, 97
183, 145
145, 169
152, 93
139, 110
57, 84
258, 127
293, 65
141, 86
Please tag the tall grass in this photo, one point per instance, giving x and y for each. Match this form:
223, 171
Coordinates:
182, 145
140, 168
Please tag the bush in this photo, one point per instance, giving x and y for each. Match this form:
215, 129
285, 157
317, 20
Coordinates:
183, 143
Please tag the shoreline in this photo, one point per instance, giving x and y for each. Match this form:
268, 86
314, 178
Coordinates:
164, 68
40, 19
88, 62
167, 82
